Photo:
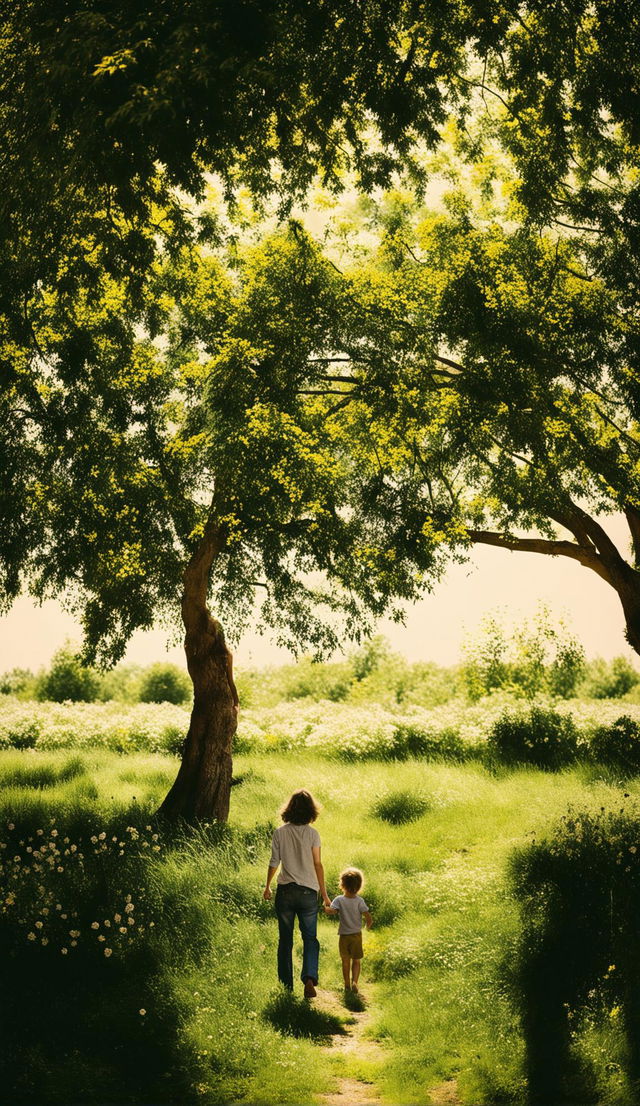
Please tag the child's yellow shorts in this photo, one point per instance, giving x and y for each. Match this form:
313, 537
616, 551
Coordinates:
350, 944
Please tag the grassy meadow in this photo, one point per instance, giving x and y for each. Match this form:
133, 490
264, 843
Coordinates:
142, 966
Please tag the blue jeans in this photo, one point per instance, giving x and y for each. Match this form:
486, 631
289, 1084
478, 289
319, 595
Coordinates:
293, 900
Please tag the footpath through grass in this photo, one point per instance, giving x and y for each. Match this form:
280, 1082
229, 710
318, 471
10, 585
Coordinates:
188, 1010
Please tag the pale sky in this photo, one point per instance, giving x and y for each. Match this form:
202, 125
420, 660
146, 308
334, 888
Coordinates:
494, 580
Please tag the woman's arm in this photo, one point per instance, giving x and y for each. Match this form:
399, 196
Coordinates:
317, 863
266, 894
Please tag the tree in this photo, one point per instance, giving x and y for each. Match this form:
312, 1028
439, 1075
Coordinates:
68, 679
111, 122
491, 388
164, 683
113, 117
124, 464
205, 469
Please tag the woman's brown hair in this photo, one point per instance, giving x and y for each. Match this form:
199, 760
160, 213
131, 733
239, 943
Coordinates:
300, 809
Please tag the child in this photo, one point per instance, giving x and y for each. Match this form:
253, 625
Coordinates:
351, 908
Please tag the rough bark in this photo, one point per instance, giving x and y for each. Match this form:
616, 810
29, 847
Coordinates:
203, 785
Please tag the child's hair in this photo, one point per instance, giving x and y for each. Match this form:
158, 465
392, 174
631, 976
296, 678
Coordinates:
351, 880
300, 809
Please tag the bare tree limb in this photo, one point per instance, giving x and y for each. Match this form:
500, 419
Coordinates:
549, 548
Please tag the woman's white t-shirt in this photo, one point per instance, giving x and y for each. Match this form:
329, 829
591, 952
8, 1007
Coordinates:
291, 849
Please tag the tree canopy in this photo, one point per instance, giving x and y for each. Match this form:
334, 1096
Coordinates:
474, 328
128, 448
492, 387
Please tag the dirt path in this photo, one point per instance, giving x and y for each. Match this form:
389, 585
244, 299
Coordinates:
361, 1058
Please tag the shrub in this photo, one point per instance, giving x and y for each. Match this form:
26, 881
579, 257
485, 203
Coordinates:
618, 745
541, 737
164, 1010
81, 927
22, 733
68, 680
579, 892
165, 683
18, 681
399, 807
412, 740
536, 656
610, 679
121, 684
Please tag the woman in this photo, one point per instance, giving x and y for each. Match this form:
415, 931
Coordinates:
296, 850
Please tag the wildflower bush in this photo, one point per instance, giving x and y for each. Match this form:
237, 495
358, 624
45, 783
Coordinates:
579, 951
124, 958
122, 728
618, 745
540, 737
79, 909
456, 731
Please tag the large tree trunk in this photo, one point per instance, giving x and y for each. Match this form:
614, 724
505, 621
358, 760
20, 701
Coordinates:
203, 785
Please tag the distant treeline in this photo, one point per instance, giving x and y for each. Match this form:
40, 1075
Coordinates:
536, 659
69, 680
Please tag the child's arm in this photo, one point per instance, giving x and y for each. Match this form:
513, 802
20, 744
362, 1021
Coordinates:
330, 910
368, 919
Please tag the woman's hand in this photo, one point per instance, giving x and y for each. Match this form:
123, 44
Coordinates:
266, 894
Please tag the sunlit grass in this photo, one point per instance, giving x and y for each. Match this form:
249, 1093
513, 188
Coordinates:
443, 921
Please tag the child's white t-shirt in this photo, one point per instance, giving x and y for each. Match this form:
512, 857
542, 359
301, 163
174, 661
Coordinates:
351, 911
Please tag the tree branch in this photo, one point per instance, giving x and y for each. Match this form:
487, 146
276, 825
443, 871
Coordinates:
549, 548
603, 543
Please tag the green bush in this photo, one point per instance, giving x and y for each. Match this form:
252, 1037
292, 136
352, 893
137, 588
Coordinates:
540, 737
536, 657
121, 684
68, 679
579, 947
414, 741
618, 745
399, 807
20, 682
125, 961
165, 683
609, 679
23, 733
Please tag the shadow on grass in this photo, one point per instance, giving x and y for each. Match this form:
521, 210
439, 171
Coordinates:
354, 1002
296, 1017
